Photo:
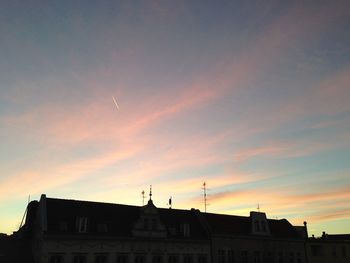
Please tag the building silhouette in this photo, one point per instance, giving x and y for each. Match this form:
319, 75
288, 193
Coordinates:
61, 231
73, 231
329, 248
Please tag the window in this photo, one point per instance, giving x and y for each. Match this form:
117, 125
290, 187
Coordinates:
257, 225
334, 252
316, 250
263, 226
79, 258
56, 259
82, 224
299, 260
186, 230
100, 258
268, 257
244, 256
173, 258
221, 256
102, 228
257, 257
154, 224
157, 258
343, 252
145, 224
63, 226
280, 257
202, 258
122, 258
230, 256
140, 258
188, 258
291, 257
172, 231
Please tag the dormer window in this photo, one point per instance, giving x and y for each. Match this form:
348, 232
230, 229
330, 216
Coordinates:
257, 225
149, 223
82, 224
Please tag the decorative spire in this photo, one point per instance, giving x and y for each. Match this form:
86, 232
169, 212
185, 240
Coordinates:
150, 192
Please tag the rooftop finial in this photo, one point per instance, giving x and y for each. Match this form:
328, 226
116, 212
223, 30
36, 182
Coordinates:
170, 202
143, 197
150, 192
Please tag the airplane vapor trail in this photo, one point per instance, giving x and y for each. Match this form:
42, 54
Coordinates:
115, 102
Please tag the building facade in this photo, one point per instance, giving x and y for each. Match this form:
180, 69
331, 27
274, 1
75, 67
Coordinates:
329, 248
71, 231
254, 239
87, 232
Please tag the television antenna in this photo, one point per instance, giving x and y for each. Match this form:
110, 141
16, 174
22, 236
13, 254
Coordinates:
205, 196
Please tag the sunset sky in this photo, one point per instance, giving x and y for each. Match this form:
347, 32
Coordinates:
252, 97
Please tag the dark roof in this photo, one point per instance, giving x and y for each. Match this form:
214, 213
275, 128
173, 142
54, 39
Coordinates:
120, 219
282, 228
227, 224
331, 238
241, 225
342, 237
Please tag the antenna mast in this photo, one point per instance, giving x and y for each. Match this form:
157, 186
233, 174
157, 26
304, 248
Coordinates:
25, 214
205, 196
143, 197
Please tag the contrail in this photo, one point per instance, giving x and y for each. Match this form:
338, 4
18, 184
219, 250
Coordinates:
115, 102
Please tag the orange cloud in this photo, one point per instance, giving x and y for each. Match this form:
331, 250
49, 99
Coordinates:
26, 182
330, 215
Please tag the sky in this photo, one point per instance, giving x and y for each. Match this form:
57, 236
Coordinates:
251, 97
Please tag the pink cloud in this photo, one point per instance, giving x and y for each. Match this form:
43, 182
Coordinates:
95, 121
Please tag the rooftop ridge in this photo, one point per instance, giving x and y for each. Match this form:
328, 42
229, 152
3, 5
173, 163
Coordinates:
88, 201
160, 208
115, 204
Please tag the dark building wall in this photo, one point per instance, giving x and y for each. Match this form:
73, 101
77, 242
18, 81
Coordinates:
325, 251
